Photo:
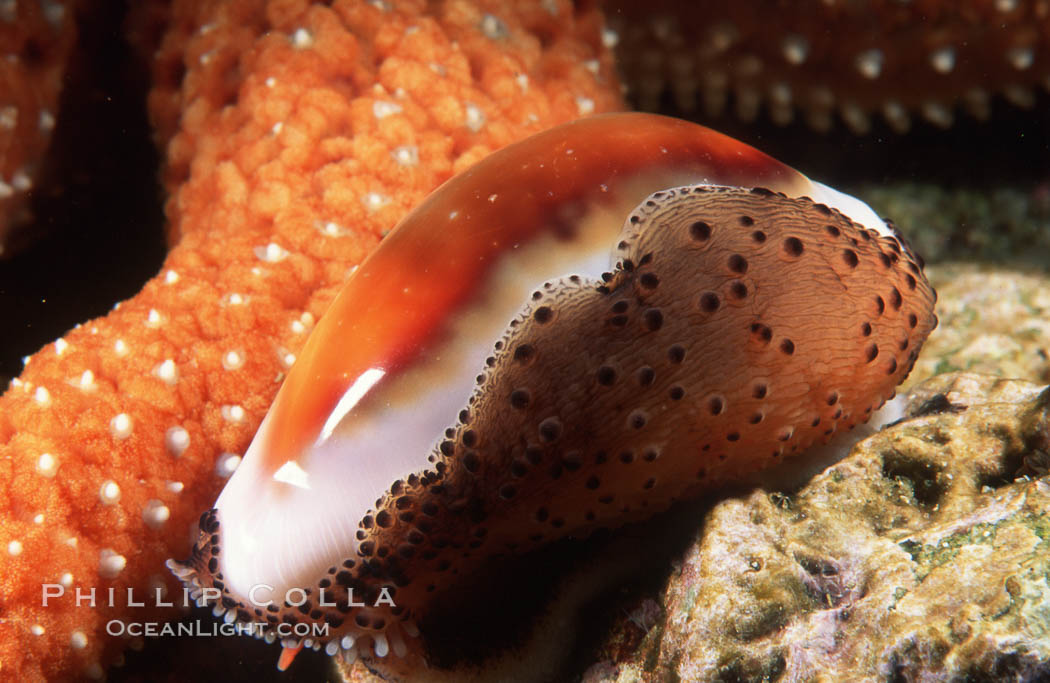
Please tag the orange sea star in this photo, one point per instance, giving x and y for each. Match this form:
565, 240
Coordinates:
821, 60
36, 39
303, 133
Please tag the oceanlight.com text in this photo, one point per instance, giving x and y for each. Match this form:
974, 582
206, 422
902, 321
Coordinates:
210, 629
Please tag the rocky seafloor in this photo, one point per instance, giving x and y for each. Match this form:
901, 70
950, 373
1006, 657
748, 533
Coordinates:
923, 555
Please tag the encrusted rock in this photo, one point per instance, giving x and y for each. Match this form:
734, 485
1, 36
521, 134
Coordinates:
923, 555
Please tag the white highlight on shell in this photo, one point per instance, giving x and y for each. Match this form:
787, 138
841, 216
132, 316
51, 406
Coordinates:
276, 128
584, 106
233, 359
382, 109
36, 630
291, 473
227, 464
286, 358
120, 348
271, 253
475, 117
46, 465
167, 372
232, 413
109, 492
14, 548
175, 486
176, 440
60, 346
66, 580
406, 155
154, 318
120, 426
42, 396
235, 299
355, 393
78, 640
38, 518
869, 63
110, 563
155, 514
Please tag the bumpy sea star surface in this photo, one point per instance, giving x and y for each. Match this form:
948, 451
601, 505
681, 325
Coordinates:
825, 59
36, 39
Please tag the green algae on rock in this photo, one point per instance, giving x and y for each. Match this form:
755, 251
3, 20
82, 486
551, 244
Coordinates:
924, 554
